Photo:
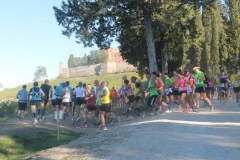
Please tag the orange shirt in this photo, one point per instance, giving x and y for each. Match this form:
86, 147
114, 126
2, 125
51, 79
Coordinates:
114, 93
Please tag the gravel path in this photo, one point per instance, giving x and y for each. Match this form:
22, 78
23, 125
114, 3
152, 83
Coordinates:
194, 136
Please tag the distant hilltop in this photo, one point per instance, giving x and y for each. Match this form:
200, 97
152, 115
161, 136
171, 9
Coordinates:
115, 63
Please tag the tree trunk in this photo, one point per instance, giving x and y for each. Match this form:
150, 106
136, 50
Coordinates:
164, 57
150, 44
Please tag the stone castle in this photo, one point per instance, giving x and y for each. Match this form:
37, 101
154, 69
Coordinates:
115, 63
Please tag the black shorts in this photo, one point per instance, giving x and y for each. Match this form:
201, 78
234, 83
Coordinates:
58, 101
106, 108
91, 108
224, 88
200, 90
212, 90
22, 106
36, 103
45, 101
85, 101
65, 104
137, 98
175, 92
130, 99
80, 100
160, 92
53, 102
207, 89
180, 93
151, 100
236, 89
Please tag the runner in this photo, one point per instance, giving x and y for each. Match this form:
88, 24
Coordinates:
182, 90
218, 88
153, 94
190, 88
58, 93
200, 90
130, 96
22, 95
137, 94
224, 87
79, 92
206, 86
114, 97
69, 109
66, 95
168, 91
46, 90
105, 108
235, 80
175, 90
212, 84
98, 89
159, 84
91, 107
52, 94
36, 94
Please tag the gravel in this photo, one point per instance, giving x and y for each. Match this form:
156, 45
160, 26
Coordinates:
192, 136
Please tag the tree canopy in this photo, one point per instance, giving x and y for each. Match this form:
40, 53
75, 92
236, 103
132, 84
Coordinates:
191, 32
40, 73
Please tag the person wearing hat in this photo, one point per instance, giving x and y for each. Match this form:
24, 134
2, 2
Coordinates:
22, 95
235, 80
58, 93
36, 94
200, 90
137, 94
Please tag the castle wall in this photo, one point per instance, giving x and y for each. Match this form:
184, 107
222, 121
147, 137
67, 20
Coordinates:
108, 67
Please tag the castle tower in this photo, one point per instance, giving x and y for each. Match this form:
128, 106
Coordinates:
61, 66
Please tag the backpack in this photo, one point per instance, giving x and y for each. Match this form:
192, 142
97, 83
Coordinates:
36, 93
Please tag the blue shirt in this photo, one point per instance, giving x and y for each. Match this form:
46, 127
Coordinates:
69, 88
23, 94
59, 91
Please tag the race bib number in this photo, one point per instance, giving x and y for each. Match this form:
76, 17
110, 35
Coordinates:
205, 85
175, 86
180, 89
167, 91
197, 81
222, 85
237, 82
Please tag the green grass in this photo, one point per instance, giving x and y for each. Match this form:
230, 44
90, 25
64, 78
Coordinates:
115, 80
30, 142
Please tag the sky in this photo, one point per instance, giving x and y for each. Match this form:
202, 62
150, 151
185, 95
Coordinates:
29, 37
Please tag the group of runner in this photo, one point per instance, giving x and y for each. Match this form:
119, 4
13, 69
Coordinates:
183, 89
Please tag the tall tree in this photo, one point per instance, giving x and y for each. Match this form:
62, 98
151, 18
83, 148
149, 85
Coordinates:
71, 61
40, 73
233, 31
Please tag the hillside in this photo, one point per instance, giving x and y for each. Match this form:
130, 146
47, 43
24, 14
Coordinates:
115, 80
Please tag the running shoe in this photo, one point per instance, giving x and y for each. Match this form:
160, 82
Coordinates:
99, 126
119, 120
43, 117
185, 111
104, 128
179, 107
155, 115
112, 122
143, 114
93, 125
84, 125
196, 110
158, 111
77, 118
35, 121
211, 108
161, 114
168, 111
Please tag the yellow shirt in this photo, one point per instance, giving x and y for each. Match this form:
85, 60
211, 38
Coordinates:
174, 81
217, 82
235, 79
106, 98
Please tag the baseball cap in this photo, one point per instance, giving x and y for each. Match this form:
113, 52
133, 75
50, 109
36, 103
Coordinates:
185, 71
196, 68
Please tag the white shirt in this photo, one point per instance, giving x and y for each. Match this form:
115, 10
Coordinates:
53, 95
66, 96
80, 92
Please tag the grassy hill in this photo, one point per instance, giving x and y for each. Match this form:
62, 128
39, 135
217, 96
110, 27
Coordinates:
115, 80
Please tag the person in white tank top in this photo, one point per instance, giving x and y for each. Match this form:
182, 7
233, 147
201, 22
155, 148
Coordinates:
66, 94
